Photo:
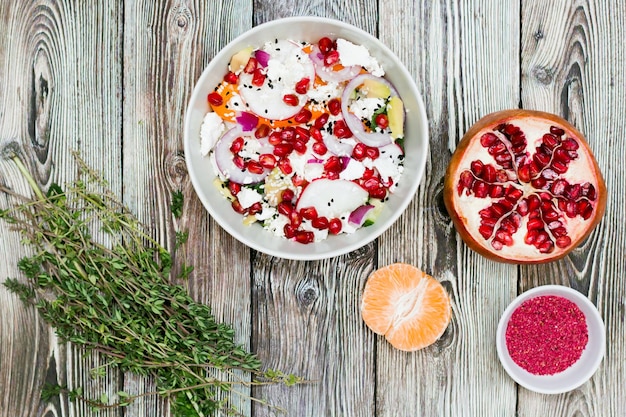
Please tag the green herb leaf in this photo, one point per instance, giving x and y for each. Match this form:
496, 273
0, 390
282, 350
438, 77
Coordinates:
177, 204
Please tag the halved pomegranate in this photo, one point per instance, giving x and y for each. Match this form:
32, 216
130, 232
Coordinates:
523, 187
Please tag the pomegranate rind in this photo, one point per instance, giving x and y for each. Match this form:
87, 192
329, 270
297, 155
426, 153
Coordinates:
463, 153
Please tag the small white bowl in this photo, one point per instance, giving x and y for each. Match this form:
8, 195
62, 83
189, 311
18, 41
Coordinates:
309, 29
580, 371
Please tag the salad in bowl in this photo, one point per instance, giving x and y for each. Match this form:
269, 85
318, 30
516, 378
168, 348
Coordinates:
305, 144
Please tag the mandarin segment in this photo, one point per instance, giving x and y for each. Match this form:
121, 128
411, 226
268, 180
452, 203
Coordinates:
410, 308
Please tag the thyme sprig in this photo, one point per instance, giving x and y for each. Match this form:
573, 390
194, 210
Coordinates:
117, 298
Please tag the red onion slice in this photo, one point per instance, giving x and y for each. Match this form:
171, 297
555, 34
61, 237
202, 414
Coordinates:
326, 73
247, 120
375, 139
357, 217
224, 159
262, 57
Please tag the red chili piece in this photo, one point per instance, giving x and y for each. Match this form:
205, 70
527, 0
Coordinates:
546, 334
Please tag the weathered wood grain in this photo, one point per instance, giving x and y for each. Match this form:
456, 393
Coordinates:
55, 97
166, 46
306, 314
112, 80
571, 66
463, 72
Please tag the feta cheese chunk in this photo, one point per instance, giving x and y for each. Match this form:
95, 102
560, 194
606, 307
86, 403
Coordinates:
211, 130
351, 54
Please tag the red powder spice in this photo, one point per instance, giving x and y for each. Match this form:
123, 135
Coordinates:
546, 334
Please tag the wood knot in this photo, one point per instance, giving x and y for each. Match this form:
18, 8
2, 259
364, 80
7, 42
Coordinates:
176, 169
543, 75
307, 292
180, 19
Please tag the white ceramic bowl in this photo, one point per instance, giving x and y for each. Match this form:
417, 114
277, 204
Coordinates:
580, 371
307, 29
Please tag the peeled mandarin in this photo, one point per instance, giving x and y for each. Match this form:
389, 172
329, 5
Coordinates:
406, 305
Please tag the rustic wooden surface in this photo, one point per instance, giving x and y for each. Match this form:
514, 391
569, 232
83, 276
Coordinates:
112, 78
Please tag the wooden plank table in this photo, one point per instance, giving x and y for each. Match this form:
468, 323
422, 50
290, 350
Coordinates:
112, 79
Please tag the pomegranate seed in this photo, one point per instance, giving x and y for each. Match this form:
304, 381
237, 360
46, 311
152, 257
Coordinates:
316, 134
295, 219
341, 130
334, 226
332, 175
231, 78
236, 205
275, 138
359, 152
331, 58
287, 195
570, 144
557, 131
547, 247
215, 99
282, 149
237, 145
288, 134
255, 208
535, 224
489, 173
285, 208
267, 160
563, 241
538, 183
368, 173
262, 131
298, 181
485, 231
320, 223
497, 148
496, 191
523, 173
255, 167
550, 141
372, 152
321, 120
239, 162
299, 146
585, 209
488, 139
382, 121
302, 133
333, 164
302, 86
250, 66
305, 237
291, 99
258, 77
477, 167
234, 187
325, 45
371, 183
319, 148
308, 213
289, 231
303, 116
480, 189
379, 193
285, 166
334, 106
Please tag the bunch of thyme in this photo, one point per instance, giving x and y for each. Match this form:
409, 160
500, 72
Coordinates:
117, 298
